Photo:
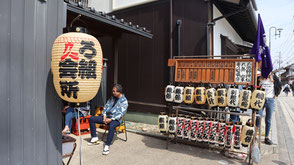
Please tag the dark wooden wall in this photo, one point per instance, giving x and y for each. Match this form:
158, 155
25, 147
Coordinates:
30, 108
143, 69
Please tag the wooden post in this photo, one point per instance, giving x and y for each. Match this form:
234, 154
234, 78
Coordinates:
253, 116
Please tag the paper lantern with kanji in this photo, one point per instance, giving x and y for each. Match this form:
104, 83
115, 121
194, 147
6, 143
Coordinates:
76, 65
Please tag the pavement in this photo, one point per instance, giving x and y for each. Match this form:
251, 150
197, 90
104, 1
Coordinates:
145, 145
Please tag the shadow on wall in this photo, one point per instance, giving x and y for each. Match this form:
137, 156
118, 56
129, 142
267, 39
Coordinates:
54, 117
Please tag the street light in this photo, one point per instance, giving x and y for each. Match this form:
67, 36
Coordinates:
277, 33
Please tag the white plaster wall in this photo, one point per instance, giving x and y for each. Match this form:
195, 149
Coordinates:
110, 5
120, 4
222, 27
101, 5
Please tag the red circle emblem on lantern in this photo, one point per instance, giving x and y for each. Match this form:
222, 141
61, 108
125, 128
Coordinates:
76, 65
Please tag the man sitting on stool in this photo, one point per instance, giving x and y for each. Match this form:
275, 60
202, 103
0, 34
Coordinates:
114, 110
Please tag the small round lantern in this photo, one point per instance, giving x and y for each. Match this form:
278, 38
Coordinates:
221, 97
189, 95
211, 97
247, 133
172, 123
233, 97
179, 94
200, 96
245, 97
76, 64
163, 122
258, 99
170, 93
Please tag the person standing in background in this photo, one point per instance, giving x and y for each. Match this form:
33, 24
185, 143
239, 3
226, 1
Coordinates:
269, 105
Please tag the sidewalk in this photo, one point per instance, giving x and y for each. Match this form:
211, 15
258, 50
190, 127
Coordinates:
151, 149
141, 150
146, 145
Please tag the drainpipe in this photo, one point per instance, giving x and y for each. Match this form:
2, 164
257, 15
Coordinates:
171, 38
179, 23
209, 31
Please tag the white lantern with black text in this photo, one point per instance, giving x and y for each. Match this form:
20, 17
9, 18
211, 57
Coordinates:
258, 99
245, 97
200, 97
233, 97
179, 94
170, 93
189, 95
172, 123
163, 122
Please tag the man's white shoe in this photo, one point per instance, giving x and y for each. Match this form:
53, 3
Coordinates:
105, 150
94, 141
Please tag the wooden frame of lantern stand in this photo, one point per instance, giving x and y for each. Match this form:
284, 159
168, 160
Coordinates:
204, 71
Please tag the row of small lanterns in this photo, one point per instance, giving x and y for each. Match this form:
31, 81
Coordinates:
212, 131
220, 97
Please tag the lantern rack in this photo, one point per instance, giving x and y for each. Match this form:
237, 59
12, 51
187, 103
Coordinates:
208, 69
192, 110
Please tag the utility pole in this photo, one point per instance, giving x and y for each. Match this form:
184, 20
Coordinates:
279, 61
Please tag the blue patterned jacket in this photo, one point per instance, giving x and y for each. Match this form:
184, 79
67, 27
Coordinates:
119, 109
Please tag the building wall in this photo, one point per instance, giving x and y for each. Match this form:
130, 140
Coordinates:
30, 108
101, 5
111, 5
143, 69
222, 27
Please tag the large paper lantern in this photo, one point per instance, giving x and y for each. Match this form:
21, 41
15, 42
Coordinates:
76, 65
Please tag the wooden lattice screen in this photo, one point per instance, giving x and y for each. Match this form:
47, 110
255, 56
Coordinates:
227, 71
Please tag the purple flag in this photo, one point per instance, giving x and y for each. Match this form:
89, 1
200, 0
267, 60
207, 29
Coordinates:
261, 51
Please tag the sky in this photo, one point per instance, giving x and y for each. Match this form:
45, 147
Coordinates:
279, 14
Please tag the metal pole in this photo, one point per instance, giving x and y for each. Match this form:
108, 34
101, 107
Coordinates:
179, 23
115, 79
270, 37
